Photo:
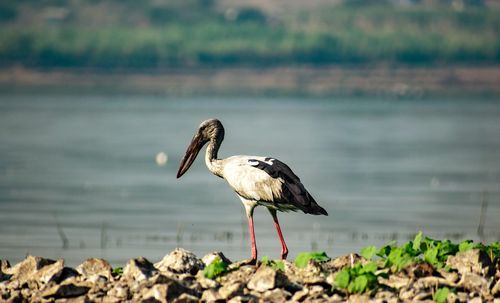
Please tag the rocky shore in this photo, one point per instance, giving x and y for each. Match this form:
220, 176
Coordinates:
469, 276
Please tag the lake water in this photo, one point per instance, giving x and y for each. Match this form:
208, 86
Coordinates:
78, 176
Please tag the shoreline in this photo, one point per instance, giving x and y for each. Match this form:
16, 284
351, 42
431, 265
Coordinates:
412, 82
471, 275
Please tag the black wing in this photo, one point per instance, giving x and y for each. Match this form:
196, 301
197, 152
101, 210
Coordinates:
292, 190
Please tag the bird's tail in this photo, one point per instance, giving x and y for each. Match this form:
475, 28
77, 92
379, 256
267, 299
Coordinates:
317, 210
314, 208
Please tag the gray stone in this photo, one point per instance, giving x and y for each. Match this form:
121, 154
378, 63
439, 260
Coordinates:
139, 269
210, 295
231, 289
275, 295
24, 270
266, 278
166, 292
432, 282
94, 267
472, 261
244, 299
474, 282
341, 262
300, 295
180, 261
396, 281
186, 298
65, 291
4, 265
209, 258
359, 298
495, 291
206, 283
119, 292
242, 274
55, 272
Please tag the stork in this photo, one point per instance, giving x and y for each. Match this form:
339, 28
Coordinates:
257, 181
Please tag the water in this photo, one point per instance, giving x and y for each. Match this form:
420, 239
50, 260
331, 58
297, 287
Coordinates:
78, 176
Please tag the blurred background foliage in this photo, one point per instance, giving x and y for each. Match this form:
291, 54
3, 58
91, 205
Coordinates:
156, 34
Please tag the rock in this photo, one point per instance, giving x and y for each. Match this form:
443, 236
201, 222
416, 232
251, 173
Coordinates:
473, 282
359, 298
186, 298
475, 300
266, 278
206, 283
311, 274
54, 272
450, 276
315, 292
341, 262
300, 295
407, 294
210, 295
230, 290
396, 281
275, 295
495, 291
423, 296
472, 261
139, 269
94, 267
119, 292
419, 270
166, 292
432, 282
4, 265
24, 270
180, 261
243, 274
65, 291
243, 299
386, 296
209, 258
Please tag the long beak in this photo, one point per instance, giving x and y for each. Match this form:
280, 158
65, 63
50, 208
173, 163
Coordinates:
191, 153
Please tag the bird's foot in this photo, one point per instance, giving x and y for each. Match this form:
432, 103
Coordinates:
250, 261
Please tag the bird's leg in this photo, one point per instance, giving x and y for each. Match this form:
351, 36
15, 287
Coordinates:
249, 211
284, 249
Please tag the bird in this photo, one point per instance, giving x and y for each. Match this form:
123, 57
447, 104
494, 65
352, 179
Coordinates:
258, 181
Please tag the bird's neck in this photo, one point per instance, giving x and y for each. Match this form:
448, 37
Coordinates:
214, 165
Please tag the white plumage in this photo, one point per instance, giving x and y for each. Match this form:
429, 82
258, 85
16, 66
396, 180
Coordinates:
256, 180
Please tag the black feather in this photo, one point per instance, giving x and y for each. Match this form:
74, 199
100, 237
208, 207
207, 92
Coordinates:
292, 190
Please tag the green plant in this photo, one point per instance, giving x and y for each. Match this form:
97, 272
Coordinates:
215, 269
117, 271
424, 249
441, 295
303, 258
358, 278
276, 265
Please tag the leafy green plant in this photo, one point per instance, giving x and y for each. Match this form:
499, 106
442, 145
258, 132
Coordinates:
441, 295
276, 265
215, 269
358, 278
303, 258
423, 249
117, 271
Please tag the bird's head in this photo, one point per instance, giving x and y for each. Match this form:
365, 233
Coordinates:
209, 130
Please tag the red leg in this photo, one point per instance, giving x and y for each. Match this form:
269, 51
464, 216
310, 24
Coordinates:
284, 249
249, 210
252, 237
